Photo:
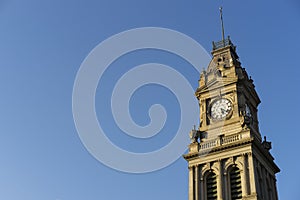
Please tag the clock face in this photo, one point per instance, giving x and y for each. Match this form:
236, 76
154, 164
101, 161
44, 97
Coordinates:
220, 109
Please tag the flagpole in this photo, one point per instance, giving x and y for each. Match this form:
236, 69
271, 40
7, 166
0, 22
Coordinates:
221, 16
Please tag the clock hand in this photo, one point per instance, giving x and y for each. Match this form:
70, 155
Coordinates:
223, 110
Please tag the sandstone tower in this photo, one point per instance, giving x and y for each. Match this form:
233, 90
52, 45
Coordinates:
227, 158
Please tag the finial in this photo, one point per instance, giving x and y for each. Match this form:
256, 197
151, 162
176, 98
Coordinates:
222, 23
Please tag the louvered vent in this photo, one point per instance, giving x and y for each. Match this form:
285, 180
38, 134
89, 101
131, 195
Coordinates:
235, 184
211, 185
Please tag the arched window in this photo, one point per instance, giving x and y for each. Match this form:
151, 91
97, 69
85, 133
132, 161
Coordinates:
211, 186
235, 184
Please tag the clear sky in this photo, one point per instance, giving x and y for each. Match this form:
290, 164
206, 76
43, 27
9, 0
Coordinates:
42, 45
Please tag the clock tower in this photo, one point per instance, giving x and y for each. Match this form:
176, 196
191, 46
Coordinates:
227, 157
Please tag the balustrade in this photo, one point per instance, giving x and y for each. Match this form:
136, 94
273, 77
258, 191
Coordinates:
219, 141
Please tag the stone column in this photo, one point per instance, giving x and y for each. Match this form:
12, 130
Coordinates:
201, 192
220, 180
264, 182
191, 183
275, 188
244, 177
196, 178
225, 186
259, 181
252, 173
270, 187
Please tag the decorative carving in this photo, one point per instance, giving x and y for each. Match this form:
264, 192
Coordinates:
267, 145
194, 135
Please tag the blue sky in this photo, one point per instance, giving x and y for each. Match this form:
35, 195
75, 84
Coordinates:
42, 45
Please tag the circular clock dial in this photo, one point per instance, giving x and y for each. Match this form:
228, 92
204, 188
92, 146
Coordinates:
220, 109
